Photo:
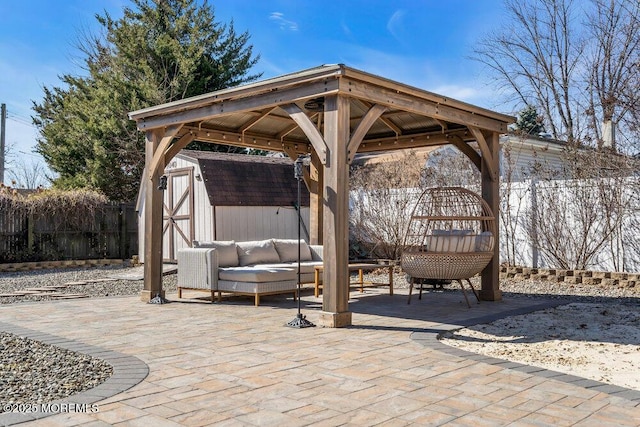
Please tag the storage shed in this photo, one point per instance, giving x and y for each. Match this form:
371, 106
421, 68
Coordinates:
221, 196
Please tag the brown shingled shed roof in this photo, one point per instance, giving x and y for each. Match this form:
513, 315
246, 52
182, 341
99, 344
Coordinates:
248, 180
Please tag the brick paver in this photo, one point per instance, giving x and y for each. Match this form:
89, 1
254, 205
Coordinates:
237, 364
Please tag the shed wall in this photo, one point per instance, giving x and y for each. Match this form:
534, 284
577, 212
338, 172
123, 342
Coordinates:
259, 222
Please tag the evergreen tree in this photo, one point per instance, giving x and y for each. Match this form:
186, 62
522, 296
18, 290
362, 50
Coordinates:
529, 122
159, 51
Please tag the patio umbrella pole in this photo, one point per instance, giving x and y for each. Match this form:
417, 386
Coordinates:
300, 321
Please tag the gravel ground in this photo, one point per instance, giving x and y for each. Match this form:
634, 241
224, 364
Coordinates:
32, 372
21, 360
96, 279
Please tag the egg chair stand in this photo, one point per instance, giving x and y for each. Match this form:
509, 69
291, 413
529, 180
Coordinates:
450, 237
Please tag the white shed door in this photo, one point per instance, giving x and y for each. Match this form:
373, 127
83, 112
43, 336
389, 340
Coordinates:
177, 229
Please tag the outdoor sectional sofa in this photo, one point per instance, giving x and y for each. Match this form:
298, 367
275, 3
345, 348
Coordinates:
256, 268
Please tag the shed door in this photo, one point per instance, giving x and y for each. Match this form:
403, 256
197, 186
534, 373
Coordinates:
177, 229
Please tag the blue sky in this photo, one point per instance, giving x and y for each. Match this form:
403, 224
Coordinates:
424, 43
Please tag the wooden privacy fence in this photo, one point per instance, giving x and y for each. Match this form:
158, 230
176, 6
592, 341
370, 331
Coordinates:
111, 234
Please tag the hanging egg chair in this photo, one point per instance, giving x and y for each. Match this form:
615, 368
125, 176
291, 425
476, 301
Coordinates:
451, 236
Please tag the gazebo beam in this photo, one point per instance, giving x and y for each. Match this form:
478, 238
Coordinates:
398, 99
309, 129
175, 148
387, 122
487, 153
362, 128
219, 108
261, 115
247, 140
158, 163
467, 150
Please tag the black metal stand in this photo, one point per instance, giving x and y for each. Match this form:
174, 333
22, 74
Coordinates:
300, 320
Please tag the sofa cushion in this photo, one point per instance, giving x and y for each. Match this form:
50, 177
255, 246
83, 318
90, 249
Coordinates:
226, 251
451, 241
256, 274
258, 288
288, 250
305, 266
257, 252
484, 241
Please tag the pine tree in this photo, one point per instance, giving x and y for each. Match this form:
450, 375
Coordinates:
529, 122
159, 51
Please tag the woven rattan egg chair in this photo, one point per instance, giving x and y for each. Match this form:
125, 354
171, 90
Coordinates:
450, 237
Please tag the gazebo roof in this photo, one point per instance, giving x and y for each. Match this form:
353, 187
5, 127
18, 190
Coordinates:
257, 115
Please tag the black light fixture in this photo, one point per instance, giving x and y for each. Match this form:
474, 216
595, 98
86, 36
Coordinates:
300, 321
162, 183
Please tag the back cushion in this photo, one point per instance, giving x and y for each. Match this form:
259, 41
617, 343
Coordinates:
257, 252
226, 251
484, 241
288, 250
451, 241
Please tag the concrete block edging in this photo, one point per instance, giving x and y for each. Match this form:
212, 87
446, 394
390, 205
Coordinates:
128, 371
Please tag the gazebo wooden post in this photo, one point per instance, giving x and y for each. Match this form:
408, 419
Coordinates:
335, 295
491, 194
315, 200
152, 223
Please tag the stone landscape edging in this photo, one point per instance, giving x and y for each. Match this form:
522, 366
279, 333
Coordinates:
128, 371
40, 265
586, 277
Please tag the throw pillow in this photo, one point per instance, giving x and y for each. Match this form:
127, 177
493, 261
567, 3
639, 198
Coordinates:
257, 252
288, 250
450, 241
226, 251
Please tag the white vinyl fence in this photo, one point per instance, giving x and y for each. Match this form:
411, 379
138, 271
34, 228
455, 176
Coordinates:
578, 224
585, 224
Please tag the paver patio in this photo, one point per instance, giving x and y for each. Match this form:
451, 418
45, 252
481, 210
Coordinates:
236, 364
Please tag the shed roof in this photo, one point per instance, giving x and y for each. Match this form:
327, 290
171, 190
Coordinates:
247, 180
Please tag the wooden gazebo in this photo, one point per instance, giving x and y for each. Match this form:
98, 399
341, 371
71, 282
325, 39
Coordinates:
331, 112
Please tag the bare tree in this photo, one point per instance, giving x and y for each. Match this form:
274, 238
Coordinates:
382, 198
576, 62
580, 210
28, 174
383, 195
535, 60
614, 28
